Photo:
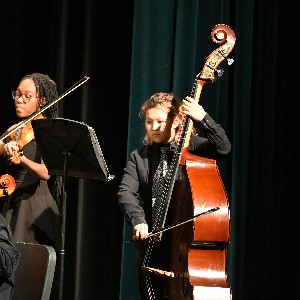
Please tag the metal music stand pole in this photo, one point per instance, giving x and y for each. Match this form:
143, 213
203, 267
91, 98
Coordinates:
63, 225
69, 149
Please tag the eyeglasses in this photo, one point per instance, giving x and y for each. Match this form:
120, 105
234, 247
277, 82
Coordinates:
25, 97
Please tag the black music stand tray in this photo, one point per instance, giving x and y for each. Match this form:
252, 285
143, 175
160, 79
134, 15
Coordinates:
69, 148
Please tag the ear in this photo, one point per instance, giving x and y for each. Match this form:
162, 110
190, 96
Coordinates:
176, 122
43, 102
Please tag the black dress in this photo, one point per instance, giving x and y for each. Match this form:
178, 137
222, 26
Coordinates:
32, 210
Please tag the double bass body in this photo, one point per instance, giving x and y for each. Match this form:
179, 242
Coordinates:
198, 249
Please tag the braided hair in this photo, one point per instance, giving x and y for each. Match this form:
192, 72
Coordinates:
47, 92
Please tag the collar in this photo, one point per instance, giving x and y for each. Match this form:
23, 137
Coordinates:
172, 146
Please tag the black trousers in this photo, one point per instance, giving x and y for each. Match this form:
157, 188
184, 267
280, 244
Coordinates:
152, 286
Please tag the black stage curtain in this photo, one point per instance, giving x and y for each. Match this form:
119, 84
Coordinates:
68, 40
131, 49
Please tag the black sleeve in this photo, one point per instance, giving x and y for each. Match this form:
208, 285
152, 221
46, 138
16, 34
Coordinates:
9, 254
215, 144
128, 195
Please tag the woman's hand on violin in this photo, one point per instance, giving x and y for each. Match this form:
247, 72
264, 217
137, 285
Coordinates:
11, 149
140, 232
193, 109
37, 169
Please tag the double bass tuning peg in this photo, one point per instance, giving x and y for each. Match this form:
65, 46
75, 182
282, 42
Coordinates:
220, 72
230, 61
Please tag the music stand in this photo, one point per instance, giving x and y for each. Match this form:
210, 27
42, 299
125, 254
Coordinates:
69, 148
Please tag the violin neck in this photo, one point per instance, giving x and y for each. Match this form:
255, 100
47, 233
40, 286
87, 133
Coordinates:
18, 134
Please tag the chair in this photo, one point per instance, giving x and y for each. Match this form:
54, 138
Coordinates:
34, 276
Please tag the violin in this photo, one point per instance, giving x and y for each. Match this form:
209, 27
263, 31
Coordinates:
23, 136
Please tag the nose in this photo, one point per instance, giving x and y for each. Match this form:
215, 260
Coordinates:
155, 125
20, 99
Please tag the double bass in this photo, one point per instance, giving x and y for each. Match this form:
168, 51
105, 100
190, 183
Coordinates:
197, 249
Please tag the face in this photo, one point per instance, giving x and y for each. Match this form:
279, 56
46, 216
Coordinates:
24, 110
159, 127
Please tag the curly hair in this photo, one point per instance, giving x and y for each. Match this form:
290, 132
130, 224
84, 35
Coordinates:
46, 90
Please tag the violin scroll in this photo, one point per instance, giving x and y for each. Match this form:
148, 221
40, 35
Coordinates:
7, 185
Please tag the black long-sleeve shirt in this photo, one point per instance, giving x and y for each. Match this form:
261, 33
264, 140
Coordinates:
9, 260
135, 190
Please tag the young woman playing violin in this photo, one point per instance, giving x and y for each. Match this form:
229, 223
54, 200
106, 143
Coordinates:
32, 209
